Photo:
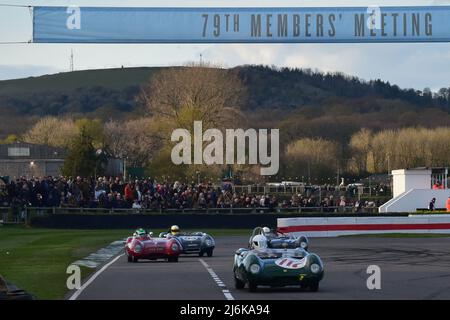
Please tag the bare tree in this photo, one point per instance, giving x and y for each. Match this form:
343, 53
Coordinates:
360, 148
383, 151
410, 147
195, 92
52, 131
137, 140
312, 157
176, 97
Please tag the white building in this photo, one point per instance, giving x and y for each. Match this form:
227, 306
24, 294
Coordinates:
414, 188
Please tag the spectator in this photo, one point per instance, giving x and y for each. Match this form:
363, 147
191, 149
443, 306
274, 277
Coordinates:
109, 193
358, 206
129, 193
262, 201
431, 205
117, 186
438, 186
136, 204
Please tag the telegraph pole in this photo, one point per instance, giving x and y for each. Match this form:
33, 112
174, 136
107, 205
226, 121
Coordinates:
71, 60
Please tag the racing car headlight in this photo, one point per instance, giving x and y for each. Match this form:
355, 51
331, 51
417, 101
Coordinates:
138, 248
315, 268
208, 242
254, 268
174, 247
303, 244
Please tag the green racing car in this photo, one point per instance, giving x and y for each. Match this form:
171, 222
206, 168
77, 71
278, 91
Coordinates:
264, 266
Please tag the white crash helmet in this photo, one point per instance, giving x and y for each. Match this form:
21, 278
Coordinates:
266, 230
259, 242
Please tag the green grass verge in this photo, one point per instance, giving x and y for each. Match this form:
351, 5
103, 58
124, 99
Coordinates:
399, 235
36, 259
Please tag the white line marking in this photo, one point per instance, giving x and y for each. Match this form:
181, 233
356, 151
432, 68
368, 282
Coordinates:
91, 279
216, 278
228, 296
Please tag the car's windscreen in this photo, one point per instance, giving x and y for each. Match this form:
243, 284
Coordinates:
282, 244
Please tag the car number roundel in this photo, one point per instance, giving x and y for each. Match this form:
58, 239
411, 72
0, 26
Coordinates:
290, 263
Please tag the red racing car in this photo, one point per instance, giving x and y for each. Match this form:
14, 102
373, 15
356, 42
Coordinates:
143, 245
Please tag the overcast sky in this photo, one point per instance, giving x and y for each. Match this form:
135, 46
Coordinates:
408, 65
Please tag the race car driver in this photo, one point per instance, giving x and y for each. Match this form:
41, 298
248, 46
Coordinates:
174, 230
268, 233
259, 242
140, 232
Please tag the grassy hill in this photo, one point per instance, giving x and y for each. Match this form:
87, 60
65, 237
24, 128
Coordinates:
116, 79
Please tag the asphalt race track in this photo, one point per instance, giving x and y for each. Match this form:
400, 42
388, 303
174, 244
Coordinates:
411, 268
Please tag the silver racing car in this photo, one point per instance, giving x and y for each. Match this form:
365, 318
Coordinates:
279, 240
192, 242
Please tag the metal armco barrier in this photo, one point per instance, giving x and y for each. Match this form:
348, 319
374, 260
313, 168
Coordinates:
12, 215
165, 220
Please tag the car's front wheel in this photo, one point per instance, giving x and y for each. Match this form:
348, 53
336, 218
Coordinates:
172, 259
209, 253
314, 287
201, 253
129, 258
252, 286
135, 259
238, 284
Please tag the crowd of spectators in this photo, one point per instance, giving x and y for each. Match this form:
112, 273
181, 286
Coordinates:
114, 193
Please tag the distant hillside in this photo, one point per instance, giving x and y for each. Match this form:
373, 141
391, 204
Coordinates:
113, 79
273, 95
108, 93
